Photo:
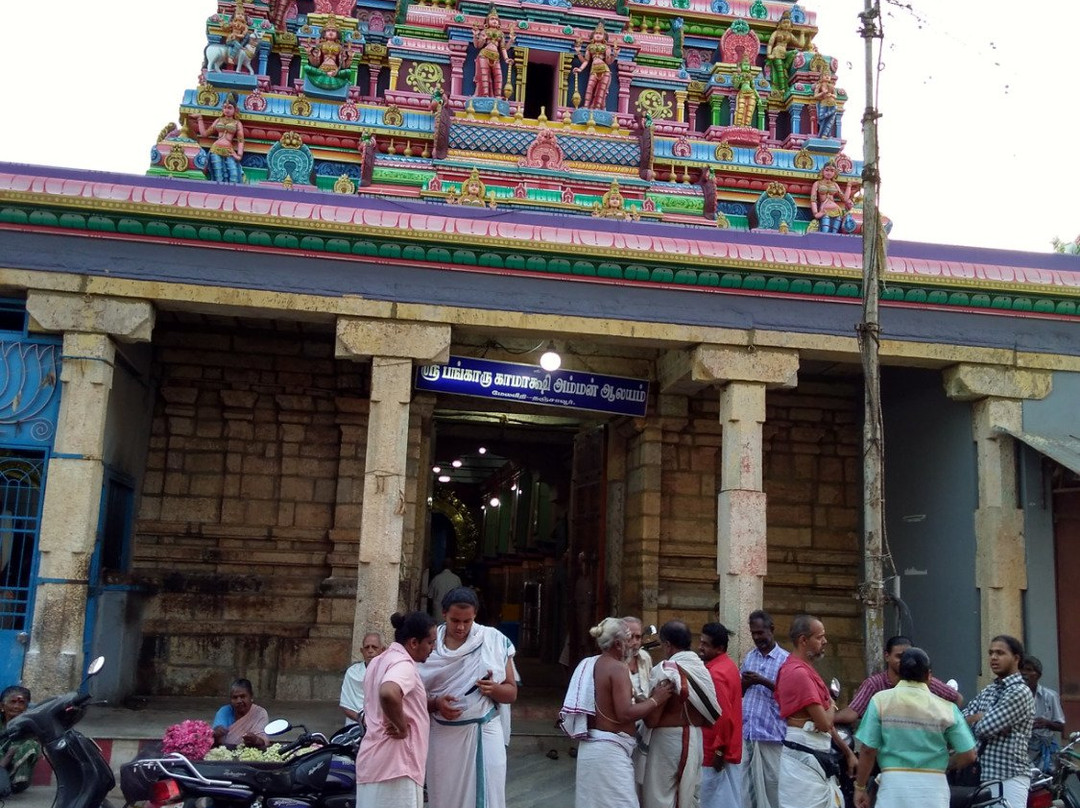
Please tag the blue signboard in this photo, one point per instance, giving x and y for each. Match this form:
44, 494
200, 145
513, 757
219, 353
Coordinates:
529, 384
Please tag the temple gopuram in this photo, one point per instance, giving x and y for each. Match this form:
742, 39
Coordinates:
697, 112
564, 295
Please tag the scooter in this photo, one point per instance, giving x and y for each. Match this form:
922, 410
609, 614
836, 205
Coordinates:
323, 778
1061, 786
83, 777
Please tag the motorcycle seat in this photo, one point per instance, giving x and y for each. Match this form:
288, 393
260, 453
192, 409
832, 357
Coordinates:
272, 778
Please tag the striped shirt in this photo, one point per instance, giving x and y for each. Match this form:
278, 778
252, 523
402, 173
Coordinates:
761, 714
873, 685
912, 729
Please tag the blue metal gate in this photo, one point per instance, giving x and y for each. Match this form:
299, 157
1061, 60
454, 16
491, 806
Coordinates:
29, 406
22, 477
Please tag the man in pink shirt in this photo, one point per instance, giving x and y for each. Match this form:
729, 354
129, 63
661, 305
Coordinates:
393, 754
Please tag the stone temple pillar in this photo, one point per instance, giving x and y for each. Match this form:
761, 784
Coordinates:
996, 395
72, 504
743, 375
392, 346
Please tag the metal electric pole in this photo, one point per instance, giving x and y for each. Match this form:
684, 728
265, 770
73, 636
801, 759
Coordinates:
869, 333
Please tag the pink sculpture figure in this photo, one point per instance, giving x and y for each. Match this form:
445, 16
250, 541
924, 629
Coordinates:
228, 147
598, 57
826, 202
491, 44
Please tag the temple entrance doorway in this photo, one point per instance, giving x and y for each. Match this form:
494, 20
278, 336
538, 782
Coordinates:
540, 84
517, 511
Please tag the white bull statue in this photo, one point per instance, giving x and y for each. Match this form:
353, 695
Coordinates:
217, 54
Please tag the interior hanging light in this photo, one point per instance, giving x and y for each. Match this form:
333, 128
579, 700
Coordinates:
550, 360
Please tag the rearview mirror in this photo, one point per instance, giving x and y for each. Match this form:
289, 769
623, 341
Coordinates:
955, 685
277, 726
834, 688
95, 666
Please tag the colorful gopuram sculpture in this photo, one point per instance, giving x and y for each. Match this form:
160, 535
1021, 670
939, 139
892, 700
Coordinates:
541, 103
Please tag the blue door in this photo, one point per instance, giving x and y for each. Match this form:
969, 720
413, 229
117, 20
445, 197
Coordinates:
22, 476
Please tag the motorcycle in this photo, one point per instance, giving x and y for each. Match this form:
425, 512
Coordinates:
322, 778
1060, 786
83, 776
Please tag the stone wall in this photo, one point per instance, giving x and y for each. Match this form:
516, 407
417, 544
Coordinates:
812, 476
249, 515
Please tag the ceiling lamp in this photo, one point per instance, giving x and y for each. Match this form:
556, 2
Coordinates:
445, 478
456, 464
494, 502
550, 360
482, 450
436, 469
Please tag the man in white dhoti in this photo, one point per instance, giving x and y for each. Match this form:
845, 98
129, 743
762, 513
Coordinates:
808, 771
600, 712
674, 742
909, 731
640, 665
471, 676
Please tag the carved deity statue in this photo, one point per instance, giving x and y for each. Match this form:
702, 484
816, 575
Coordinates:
236, 33
491, 43
746, 99
827, 203
228, 147
598, 56
825, 96
612, 205
330, 55
777, 54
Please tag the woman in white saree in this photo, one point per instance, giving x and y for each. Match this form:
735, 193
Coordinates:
473, 667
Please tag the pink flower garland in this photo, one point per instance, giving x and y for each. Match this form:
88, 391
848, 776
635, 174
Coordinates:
193, 739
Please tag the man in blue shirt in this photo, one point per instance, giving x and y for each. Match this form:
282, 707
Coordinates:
763, 729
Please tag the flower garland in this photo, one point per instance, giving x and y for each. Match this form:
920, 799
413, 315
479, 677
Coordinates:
192, 739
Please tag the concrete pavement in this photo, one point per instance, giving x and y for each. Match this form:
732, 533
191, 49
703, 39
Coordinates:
533, 779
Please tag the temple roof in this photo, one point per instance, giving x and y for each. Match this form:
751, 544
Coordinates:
396, 233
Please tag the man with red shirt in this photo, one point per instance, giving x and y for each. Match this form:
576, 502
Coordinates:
808, 771
721, 779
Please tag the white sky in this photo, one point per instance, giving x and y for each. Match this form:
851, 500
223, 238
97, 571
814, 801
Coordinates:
978, 103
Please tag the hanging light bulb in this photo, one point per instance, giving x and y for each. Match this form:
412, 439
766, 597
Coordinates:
436, 469
445, 478
494, 502
550, 360
456, 464
482, 450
